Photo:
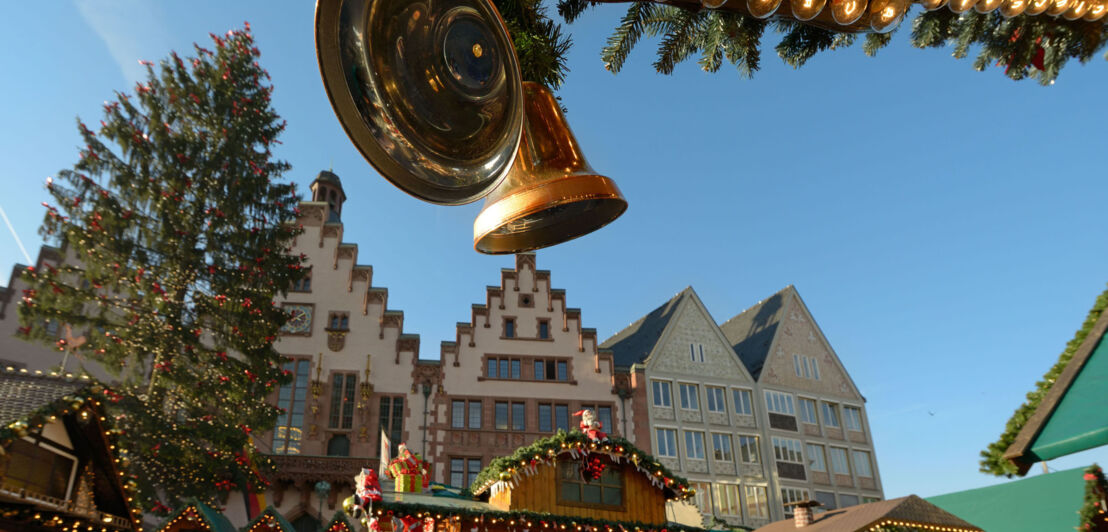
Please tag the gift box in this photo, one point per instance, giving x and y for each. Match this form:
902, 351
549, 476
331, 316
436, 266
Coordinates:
409, 483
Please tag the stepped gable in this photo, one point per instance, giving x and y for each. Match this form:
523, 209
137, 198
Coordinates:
8, 294
480, 314
323, 226
751, 332
635, 342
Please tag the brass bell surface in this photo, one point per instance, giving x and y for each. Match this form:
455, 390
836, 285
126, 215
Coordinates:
551, 194
429, 92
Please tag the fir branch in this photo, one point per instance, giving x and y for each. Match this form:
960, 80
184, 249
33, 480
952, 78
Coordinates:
875, 42
680, 35
802, 42
626, 35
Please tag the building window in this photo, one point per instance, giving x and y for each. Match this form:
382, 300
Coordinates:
546, 418
39, 469
392, 422
862, 466
808, 411
509, 328
491, 370
342, 400
526, 301
748, 449
661, 392
501, 416
462, 412
806, 367
544, 330
540, 370
716, 400
604, 491
787, 450
463, 471
689, 396
830, 414
727, 499
703, 496
475, 414
756, 501
519, 422
742, 400
815, 458
867, 500
780, 403
667, 442
563, 370
852, 418
516, 368
304, 284
338, 445
827, 499
561, 417
694, 445
504, 373
696, 352
721, 447
290, 399
338, 321
838, 461
790, 495
848, 500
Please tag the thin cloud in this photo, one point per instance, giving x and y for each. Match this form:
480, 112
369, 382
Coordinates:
131, 29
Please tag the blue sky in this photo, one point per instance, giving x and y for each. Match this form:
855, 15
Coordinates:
943, 225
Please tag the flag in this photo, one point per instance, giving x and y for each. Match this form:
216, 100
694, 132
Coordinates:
255, 502
386, 446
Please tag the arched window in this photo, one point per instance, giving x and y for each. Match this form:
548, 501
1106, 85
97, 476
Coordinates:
338, 446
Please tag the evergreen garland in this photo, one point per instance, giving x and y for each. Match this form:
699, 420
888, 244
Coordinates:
1025, 46
544, 450
524, 519
992, 458
1094, 511
176, 230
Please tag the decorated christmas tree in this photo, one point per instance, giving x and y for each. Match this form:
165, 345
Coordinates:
180, 229
1094, 510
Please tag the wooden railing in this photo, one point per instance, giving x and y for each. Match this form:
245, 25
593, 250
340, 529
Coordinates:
68, 507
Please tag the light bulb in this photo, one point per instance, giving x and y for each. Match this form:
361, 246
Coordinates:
961, 6
931, 5
1097, 11
1077, 10
1012, 8
847, 12
1035, 7
987, 6
806, 9
1057, 7
712, 4
885, 15
762, 8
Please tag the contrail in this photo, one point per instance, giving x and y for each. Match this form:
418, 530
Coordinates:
16, 235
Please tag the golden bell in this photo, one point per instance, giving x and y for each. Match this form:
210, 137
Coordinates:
550, 194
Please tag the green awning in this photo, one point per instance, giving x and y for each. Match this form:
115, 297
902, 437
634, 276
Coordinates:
1038, 503
1080, 421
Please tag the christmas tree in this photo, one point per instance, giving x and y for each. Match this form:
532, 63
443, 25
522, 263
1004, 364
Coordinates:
1094, 511
180, 229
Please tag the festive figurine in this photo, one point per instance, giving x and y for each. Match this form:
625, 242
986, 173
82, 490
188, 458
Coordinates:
411, 472
368, 486
591, 426
408, 523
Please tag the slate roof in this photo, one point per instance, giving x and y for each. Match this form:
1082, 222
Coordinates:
910, 509
751, 332
635, 342
22, 393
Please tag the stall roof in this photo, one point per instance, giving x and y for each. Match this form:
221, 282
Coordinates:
1041, 502
1064, 422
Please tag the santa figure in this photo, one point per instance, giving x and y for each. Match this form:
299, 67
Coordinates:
368, 486
591, 426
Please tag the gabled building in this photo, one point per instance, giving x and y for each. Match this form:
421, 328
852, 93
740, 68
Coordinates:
816, 429
517, 370
702, 404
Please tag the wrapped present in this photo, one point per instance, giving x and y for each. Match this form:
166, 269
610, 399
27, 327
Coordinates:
409, 483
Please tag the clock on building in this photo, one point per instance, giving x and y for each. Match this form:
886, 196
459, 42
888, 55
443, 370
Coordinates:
300, 319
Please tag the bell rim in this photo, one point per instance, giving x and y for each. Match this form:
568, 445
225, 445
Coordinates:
327, 44
496, 214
